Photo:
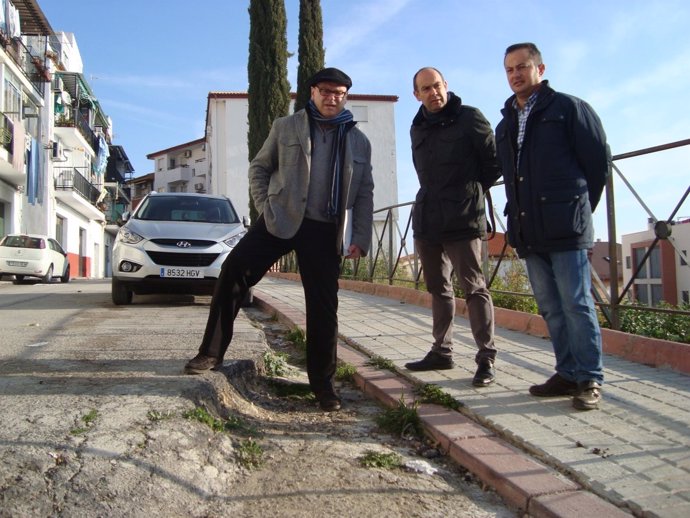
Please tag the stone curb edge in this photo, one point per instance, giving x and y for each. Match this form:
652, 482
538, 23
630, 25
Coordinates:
530, 486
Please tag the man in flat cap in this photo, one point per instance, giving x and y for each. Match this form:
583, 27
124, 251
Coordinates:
314, 167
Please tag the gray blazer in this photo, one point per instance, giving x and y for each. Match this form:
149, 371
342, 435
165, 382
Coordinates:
279, 180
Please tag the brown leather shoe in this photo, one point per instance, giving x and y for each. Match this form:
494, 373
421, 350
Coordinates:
328, 400
201, 363
555, 386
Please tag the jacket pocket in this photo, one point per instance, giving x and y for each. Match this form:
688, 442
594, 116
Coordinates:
564, 214
289, 153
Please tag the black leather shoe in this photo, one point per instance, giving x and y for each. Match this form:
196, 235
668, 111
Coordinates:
328, 400
485, 374
555, 386
433, 361
588, 396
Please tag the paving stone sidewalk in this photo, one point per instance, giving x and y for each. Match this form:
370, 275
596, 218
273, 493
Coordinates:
633, 452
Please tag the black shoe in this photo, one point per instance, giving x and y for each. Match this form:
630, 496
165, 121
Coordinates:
485, 374
555, 386
588, 396
328, 400
433, 361
201, 363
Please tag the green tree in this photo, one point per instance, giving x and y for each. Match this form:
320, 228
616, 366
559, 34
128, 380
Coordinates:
269, 89
311, 54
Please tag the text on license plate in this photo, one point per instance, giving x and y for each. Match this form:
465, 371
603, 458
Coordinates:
17, 263
183, 273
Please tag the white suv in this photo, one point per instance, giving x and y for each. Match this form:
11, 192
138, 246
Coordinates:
174, 243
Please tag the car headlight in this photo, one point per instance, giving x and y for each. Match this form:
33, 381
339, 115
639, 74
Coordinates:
127, 236
232, 242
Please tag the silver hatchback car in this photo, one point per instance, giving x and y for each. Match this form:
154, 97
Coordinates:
174, 243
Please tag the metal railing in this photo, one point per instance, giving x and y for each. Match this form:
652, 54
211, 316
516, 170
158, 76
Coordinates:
70, 179
391, 261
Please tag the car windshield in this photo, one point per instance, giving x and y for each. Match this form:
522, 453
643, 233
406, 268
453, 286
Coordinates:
23, 242
187, 208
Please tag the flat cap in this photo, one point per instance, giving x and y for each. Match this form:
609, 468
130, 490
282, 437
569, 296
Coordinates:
331, 75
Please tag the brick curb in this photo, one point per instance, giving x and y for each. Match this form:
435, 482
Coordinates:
653, 352
532, 487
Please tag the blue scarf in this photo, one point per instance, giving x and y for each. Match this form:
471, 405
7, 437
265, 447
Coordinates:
344, 123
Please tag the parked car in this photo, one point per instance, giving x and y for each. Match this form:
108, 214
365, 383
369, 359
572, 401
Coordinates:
32, 255
174, 243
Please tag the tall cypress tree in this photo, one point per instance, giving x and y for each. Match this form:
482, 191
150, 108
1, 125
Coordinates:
269, 89
311, 53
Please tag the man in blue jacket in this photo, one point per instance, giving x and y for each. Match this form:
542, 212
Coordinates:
313, 167
555, 162
454, 154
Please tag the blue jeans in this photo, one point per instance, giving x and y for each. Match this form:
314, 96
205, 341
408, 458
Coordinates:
562, 282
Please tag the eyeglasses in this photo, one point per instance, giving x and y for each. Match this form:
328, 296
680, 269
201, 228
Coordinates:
337, 94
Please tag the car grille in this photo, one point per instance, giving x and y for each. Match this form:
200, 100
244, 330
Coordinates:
174, 259
196, 243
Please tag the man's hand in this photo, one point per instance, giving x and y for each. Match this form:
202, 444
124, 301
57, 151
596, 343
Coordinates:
354, 252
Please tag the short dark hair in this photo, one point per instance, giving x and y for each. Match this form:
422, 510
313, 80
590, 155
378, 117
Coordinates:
531, 49
414, 79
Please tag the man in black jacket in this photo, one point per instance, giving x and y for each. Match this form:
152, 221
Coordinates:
555, 161
454, 153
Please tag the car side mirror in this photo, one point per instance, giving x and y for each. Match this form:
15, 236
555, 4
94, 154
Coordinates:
123, 219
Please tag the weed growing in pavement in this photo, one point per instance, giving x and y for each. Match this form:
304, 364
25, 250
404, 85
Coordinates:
402, 420
345, 372
88, 420
232, 424
291, 390
155, 415
250, 454
275, 363
298, 338
433, 394
377, 459
381, 363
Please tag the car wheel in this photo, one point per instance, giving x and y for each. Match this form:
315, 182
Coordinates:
65, 277
121, 295
48, 277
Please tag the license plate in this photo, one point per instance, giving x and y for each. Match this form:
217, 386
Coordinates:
17, 263
183, 273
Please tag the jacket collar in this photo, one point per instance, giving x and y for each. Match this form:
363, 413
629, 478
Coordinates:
545, 92
450, 110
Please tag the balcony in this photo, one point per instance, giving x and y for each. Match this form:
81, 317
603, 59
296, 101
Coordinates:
173, 177
75, 132
73, 189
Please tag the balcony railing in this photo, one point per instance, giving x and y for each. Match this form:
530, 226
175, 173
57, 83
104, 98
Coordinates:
78, 122
32, 65
70, 179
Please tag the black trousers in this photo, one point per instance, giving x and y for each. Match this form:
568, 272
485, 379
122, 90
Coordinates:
319, 266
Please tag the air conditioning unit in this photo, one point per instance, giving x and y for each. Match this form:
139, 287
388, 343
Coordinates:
188, 153
58, 152
199, 186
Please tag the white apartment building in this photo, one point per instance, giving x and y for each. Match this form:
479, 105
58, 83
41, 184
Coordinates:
59, 173
665, 275
219, 163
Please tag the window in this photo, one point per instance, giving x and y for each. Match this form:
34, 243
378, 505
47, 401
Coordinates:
655, 263
360, 113
159, 164
657, 293
628, 262
13, 98
641, 294
685, 296
638, 254
683, 255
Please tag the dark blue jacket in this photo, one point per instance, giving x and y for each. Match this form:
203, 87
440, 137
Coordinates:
454, 154
563, 168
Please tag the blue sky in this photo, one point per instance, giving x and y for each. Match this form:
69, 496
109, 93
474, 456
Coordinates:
152, 63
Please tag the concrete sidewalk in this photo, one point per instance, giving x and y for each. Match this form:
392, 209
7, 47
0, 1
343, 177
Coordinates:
540, 454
